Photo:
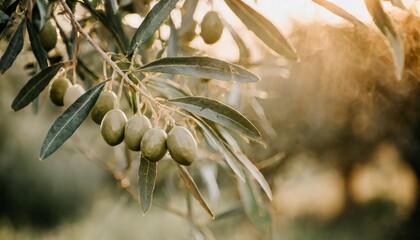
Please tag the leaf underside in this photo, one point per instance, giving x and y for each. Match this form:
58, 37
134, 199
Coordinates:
219, 113
203, 67
192, 187
147, 179
263, 28
386, 26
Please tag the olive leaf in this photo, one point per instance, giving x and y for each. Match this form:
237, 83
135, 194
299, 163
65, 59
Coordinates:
188, 10
172, 47
151, 23
254, 208
37, 49
4, 18
147, 180
192, 187
252, 169
339, 12
106, 23
219, 113
35, 86
111, 10
168, 88
39, 14
386, 26
67, 123
213, 138
204, 67
14, 47
263, 29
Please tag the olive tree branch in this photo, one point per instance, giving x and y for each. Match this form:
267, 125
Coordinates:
103, 53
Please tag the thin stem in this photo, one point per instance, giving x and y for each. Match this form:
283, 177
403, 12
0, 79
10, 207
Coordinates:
102, 53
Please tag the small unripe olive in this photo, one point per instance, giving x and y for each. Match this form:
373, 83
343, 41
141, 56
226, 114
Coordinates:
57, 90
112, 127
48, 36
181, 146
107, 101
72, 94
135, 128
211, 28
153, 144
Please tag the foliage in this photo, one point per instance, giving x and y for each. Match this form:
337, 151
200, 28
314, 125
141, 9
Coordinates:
149, 73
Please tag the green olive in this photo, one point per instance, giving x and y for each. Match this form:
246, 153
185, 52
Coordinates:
181, 146
211, 28
107, 101
57, 90
72, 94
48, 36
153, 144
112, 127
135, 128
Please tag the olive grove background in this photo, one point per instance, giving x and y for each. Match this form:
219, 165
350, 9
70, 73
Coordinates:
340, 144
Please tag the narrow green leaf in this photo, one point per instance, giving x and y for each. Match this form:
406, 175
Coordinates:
252, 169
4, 18
151, 23
213, 138
172, 47
39, 14
14, 47
265, 30
35, 86
111, 10
219, 113
339, 12
188, 10
192, 187
67, 123
147, 180
204, 67
385, 24
106, 23
37, 49
168, 88
255, 210
244, 53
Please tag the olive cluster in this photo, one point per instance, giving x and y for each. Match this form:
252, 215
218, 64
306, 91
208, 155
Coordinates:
138, 134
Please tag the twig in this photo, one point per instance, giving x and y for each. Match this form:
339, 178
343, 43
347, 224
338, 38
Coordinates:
102, 52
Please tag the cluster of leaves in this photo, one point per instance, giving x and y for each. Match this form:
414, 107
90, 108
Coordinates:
219, 123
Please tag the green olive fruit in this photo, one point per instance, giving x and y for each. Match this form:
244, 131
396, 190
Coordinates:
57, 90
211, 28
107, 101
48, 36
72, 94
189, 34
181, 146
135, 128
112, 127
153, 144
